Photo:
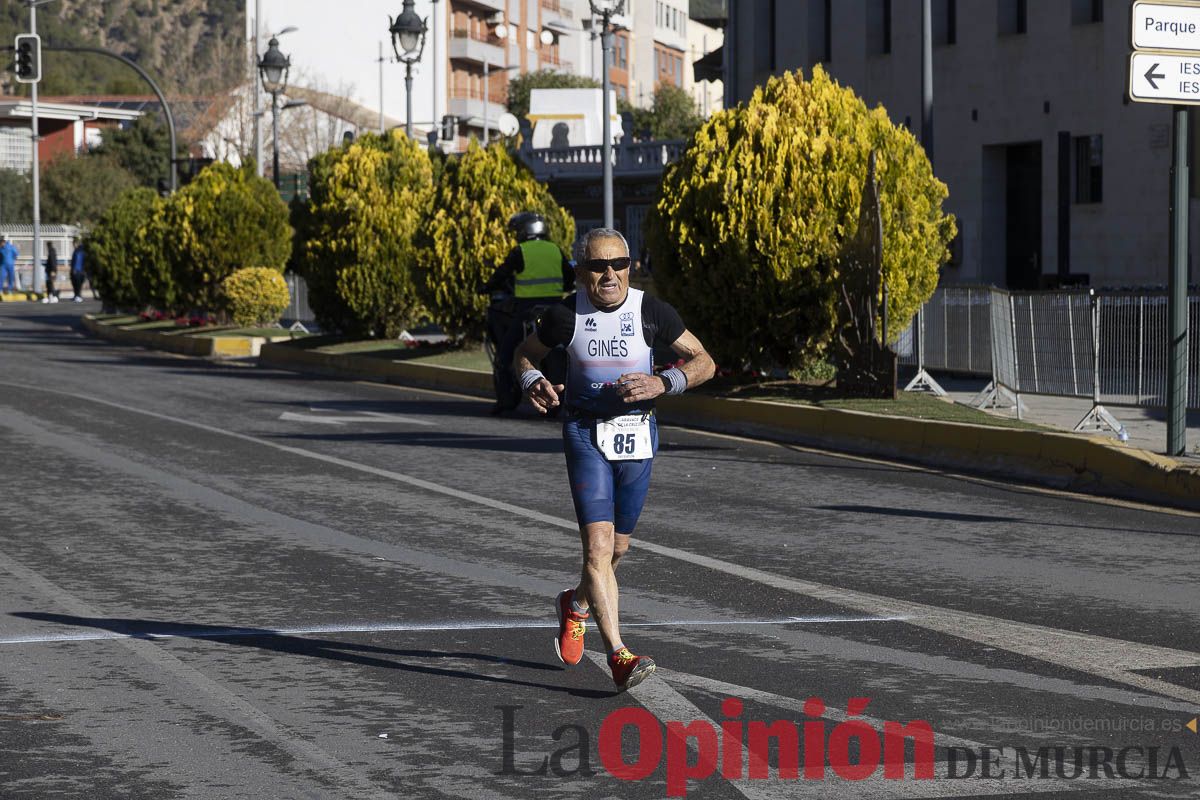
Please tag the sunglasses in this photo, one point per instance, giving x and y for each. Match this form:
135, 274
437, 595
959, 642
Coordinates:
601, 265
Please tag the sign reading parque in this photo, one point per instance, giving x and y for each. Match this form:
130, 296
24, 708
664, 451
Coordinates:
1165, 64
1166, 26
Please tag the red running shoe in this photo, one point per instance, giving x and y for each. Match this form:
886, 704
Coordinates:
629, 670
571, 626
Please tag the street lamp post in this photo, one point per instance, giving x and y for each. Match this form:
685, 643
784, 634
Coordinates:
274, 67
408, 40
606, 10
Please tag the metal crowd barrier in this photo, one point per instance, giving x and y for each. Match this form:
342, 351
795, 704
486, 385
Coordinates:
298, 309
1110, 347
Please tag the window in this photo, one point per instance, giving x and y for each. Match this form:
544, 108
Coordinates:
879, 27
820, 33
945, 22
1084, 12
1012, 16
1089, 168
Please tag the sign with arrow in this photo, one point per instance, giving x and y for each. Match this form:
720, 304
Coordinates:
1164, 78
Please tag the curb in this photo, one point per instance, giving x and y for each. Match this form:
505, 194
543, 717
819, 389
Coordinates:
180, 342
1083, 464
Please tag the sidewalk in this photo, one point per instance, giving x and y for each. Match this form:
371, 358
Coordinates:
1147, 427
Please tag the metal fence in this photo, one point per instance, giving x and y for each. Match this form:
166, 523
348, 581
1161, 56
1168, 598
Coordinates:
1107, 346
298, 310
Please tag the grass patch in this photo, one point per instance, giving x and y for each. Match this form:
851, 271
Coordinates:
258, 332
462, 358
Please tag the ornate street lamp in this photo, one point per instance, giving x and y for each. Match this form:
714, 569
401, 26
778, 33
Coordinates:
408, 40
606, 10
273, 67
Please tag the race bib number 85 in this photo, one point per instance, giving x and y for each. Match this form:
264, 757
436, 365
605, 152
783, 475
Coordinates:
625, 438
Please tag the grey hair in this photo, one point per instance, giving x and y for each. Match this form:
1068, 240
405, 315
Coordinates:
600, 233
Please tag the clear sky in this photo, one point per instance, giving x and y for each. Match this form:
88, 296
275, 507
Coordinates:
337, 47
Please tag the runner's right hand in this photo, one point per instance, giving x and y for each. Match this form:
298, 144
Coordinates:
544, 395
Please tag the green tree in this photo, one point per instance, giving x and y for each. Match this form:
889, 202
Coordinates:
673, 114
520, 87
751, 221
16, 197
78, 190
123, 253
467, 235
354, 236
225, 219
142, 149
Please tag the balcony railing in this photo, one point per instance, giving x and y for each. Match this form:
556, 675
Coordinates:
638, 158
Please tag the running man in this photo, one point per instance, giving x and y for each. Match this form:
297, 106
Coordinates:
610, 434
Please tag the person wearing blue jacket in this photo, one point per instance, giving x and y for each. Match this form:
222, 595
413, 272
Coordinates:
78, 275
8, 265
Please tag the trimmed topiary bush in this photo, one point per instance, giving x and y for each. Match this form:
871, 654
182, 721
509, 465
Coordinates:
467, 235
750, 223
225, 219
124, 254
255, 296
355, 235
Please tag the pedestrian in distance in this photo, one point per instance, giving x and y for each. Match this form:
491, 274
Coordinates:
610, 434
78, 274
8, 265
51, 274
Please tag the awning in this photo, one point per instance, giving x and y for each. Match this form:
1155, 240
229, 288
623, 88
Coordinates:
711, 67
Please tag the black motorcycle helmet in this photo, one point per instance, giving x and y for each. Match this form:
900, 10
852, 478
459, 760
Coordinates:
528, 225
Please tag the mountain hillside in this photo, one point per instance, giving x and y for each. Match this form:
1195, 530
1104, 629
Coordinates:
188, 46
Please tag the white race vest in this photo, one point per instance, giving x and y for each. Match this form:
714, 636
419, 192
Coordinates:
606, 345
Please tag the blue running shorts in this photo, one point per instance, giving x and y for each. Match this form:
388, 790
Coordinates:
603, 490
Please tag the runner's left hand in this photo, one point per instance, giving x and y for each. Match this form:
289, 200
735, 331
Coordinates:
637, 387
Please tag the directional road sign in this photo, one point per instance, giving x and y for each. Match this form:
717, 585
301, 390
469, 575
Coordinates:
1164, 78
1166, 26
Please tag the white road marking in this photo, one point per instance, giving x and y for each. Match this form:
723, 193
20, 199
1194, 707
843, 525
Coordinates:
235, 708
667, 704
184, 632
373, 417
1111, 659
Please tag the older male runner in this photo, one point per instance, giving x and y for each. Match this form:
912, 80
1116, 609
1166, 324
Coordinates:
610, 435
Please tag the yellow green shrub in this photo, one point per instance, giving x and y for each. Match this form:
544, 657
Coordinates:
255, 296
355, 235
124, 253
467, 235
225, 219
750, 222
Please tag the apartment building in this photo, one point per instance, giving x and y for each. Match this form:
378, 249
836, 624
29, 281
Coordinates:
1055, 177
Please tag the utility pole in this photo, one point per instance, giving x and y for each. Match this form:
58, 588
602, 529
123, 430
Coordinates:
433, 14
258, 109
1177, 301
36, 174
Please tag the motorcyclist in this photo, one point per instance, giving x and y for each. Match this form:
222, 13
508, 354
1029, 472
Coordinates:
535, 274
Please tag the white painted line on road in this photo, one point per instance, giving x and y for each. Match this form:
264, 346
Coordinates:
1111, 659
234, 708
667, 705
362, 417
184, 632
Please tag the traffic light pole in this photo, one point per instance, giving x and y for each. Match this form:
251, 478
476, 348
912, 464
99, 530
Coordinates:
37, 206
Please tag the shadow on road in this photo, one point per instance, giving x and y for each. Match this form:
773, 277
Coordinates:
349, 652
953, 516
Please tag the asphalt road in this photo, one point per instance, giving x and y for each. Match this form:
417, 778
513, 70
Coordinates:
219, 581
